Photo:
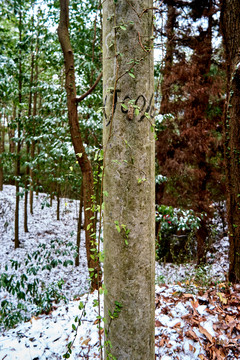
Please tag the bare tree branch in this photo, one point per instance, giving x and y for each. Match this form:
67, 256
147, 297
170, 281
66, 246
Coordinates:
79, 99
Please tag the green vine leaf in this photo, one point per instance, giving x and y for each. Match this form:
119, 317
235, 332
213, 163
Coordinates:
132, 75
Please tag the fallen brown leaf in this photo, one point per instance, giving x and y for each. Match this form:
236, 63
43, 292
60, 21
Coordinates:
192, 348
188, 296
195, 304
191, 335
220, 354
202, 357
158, 323
85, 342
206, 333
229, 318
33, 318
177, 325
164, 340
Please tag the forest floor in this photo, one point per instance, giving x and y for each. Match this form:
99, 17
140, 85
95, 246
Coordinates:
197, 311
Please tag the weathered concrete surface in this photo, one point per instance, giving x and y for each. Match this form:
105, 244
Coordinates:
129, 178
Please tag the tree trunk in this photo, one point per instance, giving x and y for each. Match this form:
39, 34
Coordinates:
58, 201
2, 143
11, 132
38, 167
18, 154
165, 88
33, 144
129, 181
32, 154
230, 16
28, 149
201, 236
17, 172
82, 158
26, 191
79, 228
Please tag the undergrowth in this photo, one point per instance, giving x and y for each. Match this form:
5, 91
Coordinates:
24, 290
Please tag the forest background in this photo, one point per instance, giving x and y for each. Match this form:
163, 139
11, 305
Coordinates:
196, 79
196, 121
190, 93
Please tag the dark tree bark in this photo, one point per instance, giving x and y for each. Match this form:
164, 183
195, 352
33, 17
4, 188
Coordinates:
18, 153
33, 143
26, 190
58, 200
11, 132
57, 172
79, 227
32, 154
230, 21
82, 158
28, 150
168, 61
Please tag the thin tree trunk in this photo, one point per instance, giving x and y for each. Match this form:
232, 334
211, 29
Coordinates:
2, 143
165, 86
82, 158
58, 187
79, 227
58, 201
38, 168
18, 154
17, 243
230, 20
11, 133
33, 144
201, 235
51, 194
26, 191
28, 150
32, 154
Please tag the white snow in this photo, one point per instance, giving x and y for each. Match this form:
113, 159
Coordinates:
46, 336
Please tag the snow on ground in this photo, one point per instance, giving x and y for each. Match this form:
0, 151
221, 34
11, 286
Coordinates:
194, 320
44, 231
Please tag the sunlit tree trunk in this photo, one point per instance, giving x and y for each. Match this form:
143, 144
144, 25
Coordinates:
231, 38
82, 158
129, 180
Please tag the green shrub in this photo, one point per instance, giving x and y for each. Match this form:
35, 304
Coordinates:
27, 292
175, 234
